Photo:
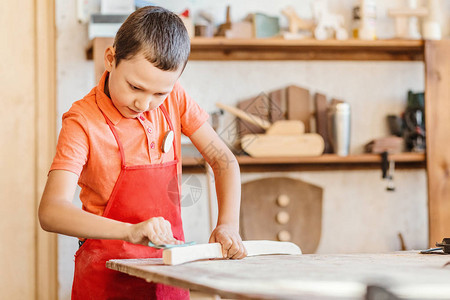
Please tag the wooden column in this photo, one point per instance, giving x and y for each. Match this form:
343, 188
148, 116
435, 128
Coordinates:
437, 112
27, 130
46, 278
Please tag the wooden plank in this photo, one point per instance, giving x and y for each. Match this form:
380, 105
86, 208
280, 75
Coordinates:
47, 255
181, 255
310, 276
306, 49
321, 116
437, 108
258, 107
277, 105
391, 44
329, 162
264, 145
18, 151
333, 158
298, 105
246, 116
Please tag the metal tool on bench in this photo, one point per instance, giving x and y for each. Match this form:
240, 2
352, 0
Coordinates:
282, 138
441, 248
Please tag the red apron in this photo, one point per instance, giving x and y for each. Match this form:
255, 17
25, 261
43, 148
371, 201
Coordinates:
140, 193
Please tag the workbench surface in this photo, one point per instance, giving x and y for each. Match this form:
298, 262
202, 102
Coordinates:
406, 274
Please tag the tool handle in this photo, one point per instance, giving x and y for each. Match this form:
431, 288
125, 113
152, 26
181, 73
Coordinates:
245, 116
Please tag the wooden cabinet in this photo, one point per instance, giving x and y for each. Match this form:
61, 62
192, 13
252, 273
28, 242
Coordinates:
437, 104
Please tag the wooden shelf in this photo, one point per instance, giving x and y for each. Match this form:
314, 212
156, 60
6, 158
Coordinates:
323, 162
281, 49
305, 49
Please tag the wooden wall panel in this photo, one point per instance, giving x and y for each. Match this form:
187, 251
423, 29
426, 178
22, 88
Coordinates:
17, 164
46, 278
27, 130
437, 113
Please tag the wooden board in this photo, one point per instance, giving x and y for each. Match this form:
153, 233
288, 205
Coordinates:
181, 255
321, 114
277, 107
298, 105
264, 145
437, 108
28, 130
260, 208
314, 276
305, 49
258, 106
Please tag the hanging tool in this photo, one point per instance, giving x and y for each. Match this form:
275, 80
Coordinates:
387, 168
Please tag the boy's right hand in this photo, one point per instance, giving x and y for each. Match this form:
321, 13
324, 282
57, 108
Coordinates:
156, 230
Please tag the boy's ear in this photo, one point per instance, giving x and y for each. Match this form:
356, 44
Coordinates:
110, 55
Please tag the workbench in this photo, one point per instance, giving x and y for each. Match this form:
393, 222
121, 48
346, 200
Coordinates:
406, 274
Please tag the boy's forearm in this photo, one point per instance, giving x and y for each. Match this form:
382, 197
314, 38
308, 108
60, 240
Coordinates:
66, 218
228, 189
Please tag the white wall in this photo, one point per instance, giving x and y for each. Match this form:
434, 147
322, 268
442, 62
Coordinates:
358, 214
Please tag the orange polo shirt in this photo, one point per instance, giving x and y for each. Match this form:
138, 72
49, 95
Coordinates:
86, 145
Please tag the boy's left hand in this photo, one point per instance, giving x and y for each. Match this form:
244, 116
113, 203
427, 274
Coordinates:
230, 240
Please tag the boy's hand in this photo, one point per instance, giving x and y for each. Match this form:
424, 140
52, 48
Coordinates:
157, 230
230, 240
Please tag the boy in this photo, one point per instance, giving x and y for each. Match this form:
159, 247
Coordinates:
117, 144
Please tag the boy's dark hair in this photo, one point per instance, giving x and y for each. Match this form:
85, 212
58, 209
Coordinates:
156, 32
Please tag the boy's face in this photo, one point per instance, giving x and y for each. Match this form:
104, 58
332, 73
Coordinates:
136, 86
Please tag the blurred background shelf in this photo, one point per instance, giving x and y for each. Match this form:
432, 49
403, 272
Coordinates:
323, 162
281, 49
305, 49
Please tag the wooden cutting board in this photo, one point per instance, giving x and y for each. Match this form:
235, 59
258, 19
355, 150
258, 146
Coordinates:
298, 105
267, 145
282, 208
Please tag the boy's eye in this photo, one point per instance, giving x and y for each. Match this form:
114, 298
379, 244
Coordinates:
134, 87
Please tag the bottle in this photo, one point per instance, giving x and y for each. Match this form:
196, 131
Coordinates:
368, 19
339, 126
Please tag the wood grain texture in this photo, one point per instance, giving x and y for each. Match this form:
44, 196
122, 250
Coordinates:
259, 210
18, 94
437, 109
310, 276
181, 255
264, 145
257, 106
298, 105
277, 105
330, 162
321, 116
305, 49
47, 254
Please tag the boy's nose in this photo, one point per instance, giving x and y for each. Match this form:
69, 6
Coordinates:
142, 105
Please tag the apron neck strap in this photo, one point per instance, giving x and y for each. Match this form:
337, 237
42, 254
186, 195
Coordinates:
116, 136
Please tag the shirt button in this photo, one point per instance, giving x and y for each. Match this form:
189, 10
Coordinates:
142, 118
152, 145
149, 130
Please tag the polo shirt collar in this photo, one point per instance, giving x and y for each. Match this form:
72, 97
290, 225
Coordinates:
104, 102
